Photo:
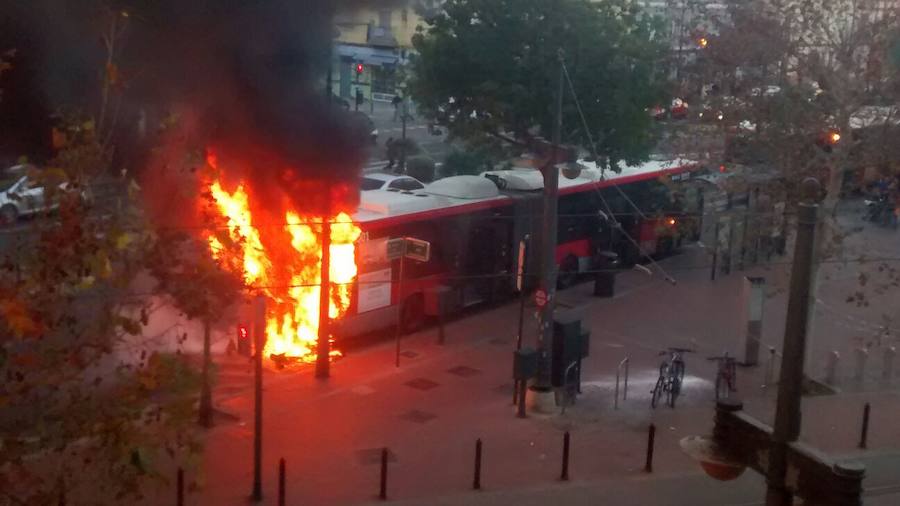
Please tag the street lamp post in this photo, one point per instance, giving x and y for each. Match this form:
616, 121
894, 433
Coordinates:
790, 466
790, 385
403, 112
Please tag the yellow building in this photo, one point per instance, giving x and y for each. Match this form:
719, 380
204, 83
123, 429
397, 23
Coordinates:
373, 43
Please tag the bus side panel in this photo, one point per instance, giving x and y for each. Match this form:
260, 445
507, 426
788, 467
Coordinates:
579, 248
647, 236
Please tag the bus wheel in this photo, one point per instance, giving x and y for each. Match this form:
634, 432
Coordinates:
568, 272
412, 317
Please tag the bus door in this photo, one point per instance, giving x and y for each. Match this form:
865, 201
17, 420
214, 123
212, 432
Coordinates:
487, 260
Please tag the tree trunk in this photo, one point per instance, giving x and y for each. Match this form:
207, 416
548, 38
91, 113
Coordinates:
205, 417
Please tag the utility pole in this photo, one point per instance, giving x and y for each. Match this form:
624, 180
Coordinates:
403, 133
791, 467
323, 343
548, 244
259, 345
790, 386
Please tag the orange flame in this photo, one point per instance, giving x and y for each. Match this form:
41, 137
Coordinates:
291, 280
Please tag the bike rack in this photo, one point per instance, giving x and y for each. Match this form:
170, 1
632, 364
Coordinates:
770, 368
623, 363
831, 367
566, 397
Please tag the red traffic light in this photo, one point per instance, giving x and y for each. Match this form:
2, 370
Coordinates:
359, 68
243, 340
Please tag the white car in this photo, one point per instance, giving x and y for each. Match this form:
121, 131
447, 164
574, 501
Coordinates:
20, 195
381, 181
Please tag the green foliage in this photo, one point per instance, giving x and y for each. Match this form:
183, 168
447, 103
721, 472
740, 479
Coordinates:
87, 402
468, 162
488, 69
420, 167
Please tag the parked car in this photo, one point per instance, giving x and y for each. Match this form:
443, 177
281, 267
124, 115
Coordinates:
21, 194
380, 181
658, 112
679, 109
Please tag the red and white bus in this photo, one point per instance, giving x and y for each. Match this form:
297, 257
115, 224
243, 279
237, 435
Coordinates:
475, 225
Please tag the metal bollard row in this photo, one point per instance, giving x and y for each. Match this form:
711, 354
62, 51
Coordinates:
860, 364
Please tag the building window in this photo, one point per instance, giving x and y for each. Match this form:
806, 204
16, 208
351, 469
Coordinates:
384, 80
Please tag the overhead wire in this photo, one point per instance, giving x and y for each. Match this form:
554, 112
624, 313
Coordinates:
590, 137
499, 275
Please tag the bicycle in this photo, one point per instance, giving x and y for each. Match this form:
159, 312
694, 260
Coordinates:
671, 376
726, 375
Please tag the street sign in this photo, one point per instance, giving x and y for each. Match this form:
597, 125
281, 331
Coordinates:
373, 252
417, 249
409, 247
540, 298
396, 248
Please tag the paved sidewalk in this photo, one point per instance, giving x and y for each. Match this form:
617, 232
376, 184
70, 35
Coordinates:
430, 411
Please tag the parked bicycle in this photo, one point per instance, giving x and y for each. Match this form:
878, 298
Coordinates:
726, 375
671, 376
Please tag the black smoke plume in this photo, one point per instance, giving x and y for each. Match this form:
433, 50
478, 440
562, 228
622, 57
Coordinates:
244, 77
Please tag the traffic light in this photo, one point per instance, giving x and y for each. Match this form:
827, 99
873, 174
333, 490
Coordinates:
243, 340
702, 42
359, 68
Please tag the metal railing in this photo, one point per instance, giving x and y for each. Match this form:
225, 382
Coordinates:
623, 363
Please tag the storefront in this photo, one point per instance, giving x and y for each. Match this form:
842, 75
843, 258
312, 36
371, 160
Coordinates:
369, 69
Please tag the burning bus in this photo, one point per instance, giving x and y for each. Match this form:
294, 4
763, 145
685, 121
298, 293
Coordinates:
474, 231
475, 227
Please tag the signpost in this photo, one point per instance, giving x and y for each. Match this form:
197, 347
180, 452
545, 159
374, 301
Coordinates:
403, 248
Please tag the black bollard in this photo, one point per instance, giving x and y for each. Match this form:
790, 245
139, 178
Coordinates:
651, 436
179, 488
565, 458
520, 409
715, 255
281, 485
865, 427
476, 482
384, 461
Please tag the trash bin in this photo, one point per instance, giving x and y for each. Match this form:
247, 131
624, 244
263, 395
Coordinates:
605, 278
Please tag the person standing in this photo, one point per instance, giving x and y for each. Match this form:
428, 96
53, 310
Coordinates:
391, 146
396, 101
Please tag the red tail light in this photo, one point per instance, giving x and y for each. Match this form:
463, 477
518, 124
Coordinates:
243, 340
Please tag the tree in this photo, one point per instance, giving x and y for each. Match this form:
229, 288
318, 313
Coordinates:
809, 89
90, 406
198, 284
487, 70
798, 71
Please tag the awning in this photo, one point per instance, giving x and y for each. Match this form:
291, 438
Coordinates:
369, 55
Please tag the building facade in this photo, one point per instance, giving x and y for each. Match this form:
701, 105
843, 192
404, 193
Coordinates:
373, 44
